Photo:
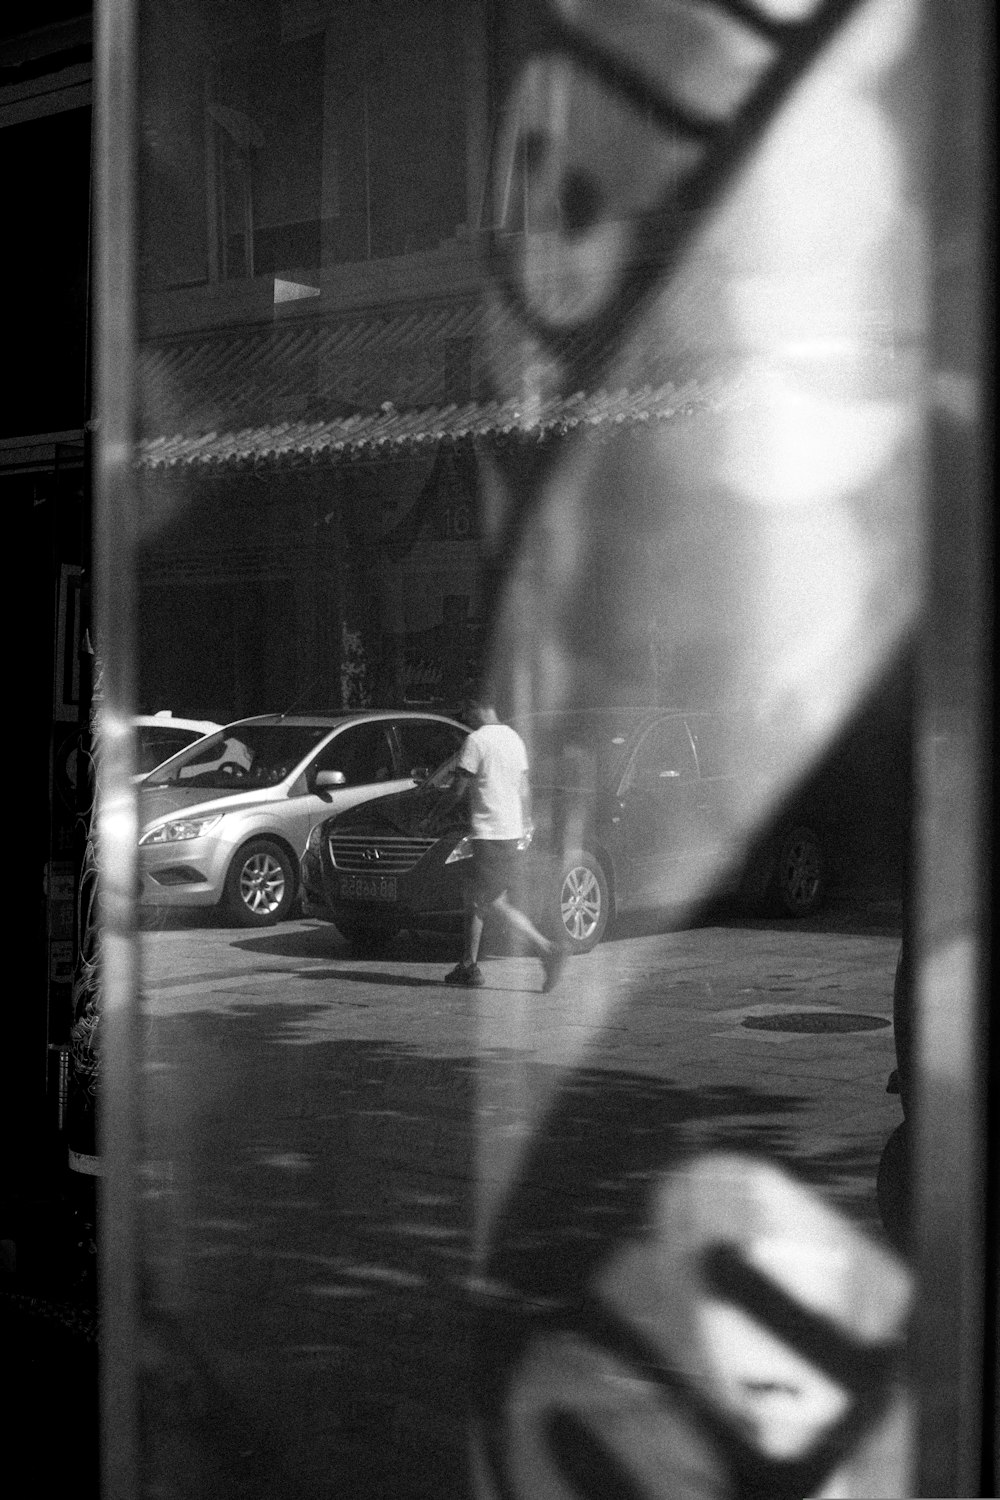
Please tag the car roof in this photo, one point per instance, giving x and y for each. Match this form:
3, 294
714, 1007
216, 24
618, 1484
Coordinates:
597, 715
166, 720
628, 718
598, 721
335, 720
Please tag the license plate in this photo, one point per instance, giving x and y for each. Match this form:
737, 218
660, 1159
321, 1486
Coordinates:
368, 887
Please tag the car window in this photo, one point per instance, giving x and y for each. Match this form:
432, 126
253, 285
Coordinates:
573, 750
665, 754
426, 744
363, 752
715, 742
157, 745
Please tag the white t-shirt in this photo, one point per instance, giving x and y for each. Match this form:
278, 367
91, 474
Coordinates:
496, 757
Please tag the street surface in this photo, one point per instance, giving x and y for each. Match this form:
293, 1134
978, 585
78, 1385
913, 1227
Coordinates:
331, 1143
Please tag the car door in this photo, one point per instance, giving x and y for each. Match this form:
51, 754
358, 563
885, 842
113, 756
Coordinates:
722, 746
365, 755
658, 818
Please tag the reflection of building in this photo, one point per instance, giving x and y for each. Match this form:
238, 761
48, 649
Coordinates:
309, 306
356, 520
316, 406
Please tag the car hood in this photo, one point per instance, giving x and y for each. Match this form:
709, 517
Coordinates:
159, 801
427, 812
421, 811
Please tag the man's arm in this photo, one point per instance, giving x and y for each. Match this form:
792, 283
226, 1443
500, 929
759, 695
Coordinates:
452, 797
527, 820
461, 783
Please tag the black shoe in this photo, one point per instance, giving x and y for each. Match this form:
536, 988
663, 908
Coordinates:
553, 964
470, 976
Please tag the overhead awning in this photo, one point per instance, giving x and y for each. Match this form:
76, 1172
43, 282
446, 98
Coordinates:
389, 432
307, 368
381, 382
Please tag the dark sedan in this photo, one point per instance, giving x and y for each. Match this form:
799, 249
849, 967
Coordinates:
635, 810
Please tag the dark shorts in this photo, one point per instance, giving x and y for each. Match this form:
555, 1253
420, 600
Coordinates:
494, 868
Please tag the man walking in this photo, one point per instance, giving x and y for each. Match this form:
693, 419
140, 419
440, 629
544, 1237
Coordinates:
492, 772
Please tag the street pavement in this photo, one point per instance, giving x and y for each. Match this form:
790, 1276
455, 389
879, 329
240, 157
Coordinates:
344, 1157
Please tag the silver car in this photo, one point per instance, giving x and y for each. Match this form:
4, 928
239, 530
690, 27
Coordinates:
223, 822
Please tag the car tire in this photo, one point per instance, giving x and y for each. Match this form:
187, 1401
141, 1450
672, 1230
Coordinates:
260, 885
581, 905
798, 883
366, 939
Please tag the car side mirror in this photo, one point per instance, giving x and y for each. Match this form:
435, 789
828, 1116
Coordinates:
326, 779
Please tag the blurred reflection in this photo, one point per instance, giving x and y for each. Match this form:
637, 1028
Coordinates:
742, 1339
732, 191
626, 418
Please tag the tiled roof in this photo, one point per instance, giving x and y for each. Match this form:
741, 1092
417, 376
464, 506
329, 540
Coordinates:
380, 380
390, 431
303, 369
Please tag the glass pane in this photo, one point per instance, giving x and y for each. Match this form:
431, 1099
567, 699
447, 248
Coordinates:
573, 364
426, 745
665, 753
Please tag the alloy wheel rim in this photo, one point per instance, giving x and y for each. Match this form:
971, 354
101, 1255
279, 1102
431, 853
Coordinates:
802, 873
581, 902
262, 883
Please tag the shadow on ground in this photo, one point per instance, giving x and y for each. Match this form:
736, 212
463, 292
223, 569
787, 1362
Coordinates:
310, 1302
877, 916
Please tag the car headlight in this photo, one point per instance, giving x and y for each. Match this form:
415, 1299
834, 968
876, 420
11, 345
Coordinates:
180, 828
463, 849
315, 839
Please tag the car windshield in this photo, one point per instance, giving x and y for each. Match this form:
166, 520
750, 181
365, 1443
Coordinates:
241, 756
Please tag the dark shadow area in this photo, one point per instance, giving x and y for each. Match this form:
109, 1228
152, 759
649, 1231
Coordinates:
409, 945
50, 1355
882, 918
322, 940
861, 919
179, 918
375, 976
310, 1306
49, 1331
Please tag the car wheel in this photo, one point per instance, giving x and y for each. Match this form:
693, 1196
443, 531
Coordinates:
260, 886
798, 882
583, 904
367, 939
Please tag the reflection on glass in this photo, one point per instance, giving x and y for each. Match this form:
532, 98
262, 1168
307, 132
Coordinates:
575, 355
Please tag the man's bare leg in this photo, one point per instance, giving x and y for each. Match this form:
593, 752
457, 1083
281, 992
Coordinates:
524, 925
473, 935
552, 956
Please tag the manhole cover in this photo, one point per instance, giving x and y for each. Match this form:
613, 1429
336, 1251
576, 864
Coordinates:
814, 1020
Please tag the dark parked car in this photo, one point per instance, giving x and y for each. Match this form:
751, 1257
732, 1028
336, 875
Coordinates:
635, 810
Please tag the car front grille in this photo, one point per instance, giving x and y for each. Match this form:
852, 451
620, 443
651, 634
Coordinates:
391, 854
